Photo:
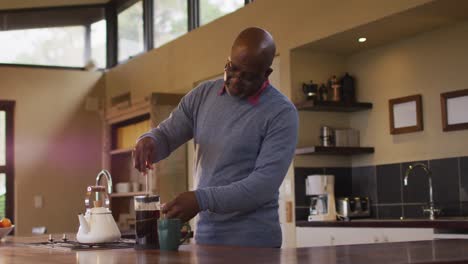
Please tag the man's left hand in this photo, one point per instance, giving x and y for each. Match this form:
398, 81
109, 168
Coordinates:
184, 206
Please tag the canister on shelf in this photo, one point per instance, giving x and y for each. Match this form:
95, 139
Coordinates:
327, 136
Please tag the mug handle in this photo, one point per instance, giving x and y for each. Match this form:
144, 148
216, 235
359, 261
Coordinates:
187, 236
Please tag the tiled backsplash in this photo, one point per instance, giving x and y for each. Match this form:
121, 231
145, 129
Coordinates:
383, 184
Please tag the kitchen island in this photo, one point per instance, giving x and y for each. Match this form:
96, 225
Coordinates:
14, 250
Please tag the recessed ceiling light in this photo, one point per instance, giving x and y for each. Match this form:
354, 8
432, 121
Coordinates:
362, 40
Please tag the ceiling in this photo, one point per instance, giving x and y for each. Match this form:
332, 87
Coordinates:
423, 18
21, 4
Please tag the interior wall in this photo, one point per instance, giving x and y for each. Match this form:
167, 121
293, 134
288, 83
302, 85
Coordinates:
428, 64
57, 143
202, 53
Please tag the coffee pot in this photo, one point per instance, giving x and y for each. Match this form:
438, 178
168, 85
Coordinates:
310, 90
320, 190
98, 224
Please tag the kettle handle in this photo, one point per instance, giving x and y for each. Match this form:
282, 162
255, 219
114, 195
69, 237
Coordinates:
108, 176
96, 189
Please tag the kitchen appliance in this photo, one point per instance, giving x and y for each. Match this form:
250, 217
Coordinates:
334, 93
147, 211
348, 89
310, 90
98, 224
320, 190
352, 207
327, 136
67, 242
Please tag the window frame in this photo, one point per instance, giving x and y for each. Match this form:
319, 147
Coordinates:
111, 11
8, 169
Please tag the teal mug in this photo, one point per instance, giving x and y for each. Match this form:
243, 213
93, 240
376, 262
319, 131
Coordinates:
169, 232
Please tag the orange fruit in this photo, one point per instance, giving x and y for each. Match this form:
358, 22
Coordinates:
5, 222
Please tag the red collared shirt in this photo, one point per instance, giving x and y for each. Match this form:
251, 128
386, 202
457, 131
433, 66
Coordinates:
253, 99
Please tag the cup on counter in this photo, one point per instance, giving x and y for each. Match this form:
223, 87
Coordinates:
169, 231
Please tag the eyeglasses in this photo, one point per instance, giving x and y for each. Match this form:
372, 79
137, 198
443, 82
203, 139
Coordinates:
233, 70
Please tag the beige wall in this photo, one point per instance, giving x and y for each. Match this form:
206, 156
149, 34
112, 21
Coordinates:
57, 143
202, 53
429, 64
199, 55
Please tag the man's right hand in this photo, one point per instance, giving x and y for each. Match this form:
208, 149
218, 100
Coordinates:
143, 154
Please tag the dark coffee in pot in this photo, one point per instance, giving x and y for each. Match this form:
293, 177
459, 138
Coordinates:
147, 211
146, 230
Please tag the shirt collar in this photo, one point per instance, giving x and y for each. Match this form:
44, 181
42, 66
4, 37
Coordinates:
253, 99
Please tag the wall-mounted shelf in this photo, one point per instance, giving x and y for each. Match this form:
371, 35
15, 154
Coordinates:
319, 150
126, 194
329, 106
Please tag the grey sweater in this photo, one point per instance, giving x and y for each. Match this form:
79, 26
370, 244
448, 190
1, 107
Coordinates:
243, 151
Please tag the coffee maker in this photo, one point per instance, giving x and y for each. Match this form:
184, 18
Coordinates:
320, 190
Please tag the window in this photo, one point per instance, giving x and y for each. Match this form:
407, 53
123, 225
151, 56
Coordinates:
213, 9
51, 36
170, 20
6, 159
59, 46
130, 31
98, 43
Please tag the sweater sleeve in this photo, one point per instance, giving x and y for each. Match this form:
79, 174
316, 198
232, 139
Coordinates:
262, 184
175, 130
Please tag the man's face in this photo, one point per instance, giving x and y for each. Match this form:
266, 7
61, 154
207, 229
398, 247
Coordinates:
244, 76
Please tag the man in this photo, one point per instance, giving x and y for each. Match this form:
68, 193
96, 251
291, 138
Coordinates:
245, 134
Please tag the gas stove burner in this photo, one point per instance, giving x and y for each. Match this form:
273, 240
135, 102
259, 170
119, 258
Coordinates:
66, 244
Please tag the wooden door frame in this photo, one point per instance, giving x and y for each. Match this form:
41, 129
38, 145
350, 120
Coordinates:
8, 169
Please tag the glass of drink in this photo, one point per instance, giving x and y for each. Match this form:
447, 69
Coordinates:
147, 210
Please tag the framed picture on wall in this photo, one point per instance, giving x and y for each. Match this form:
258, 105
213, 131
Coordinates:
454, 110
405, 114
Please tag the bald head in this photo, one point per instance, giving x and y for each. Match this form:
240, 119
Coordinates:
255, 45
249, 66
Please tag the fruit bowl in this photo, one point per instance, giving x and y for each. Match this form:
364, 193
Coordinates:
4, 231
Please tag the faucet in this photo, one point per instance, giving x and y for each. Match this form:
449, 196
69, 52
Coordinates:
432, 210
108, 178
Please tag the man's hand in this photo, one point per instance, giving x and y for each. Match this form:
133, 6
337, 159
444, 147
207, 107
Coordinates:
185, 207
143, 154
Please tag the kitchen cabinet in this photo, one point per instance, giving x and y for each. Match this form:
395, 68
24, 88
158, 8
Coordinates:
320, 236
122, 128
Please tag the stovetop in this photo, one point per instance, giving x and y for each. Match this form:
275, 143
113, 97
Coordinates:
65, 244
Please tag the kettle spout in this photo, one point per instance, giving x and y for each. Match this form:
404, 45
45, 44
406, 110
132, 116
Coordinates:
83, 224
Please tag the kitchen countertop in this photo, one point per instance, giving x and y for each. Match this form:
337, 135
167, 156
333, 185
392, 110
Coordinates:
441, 223
436, 251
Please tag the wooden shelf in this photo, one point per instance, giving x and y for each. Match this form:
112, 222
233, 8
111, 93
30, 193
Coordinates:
128, 194
319, 150
329, 106
121, 151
